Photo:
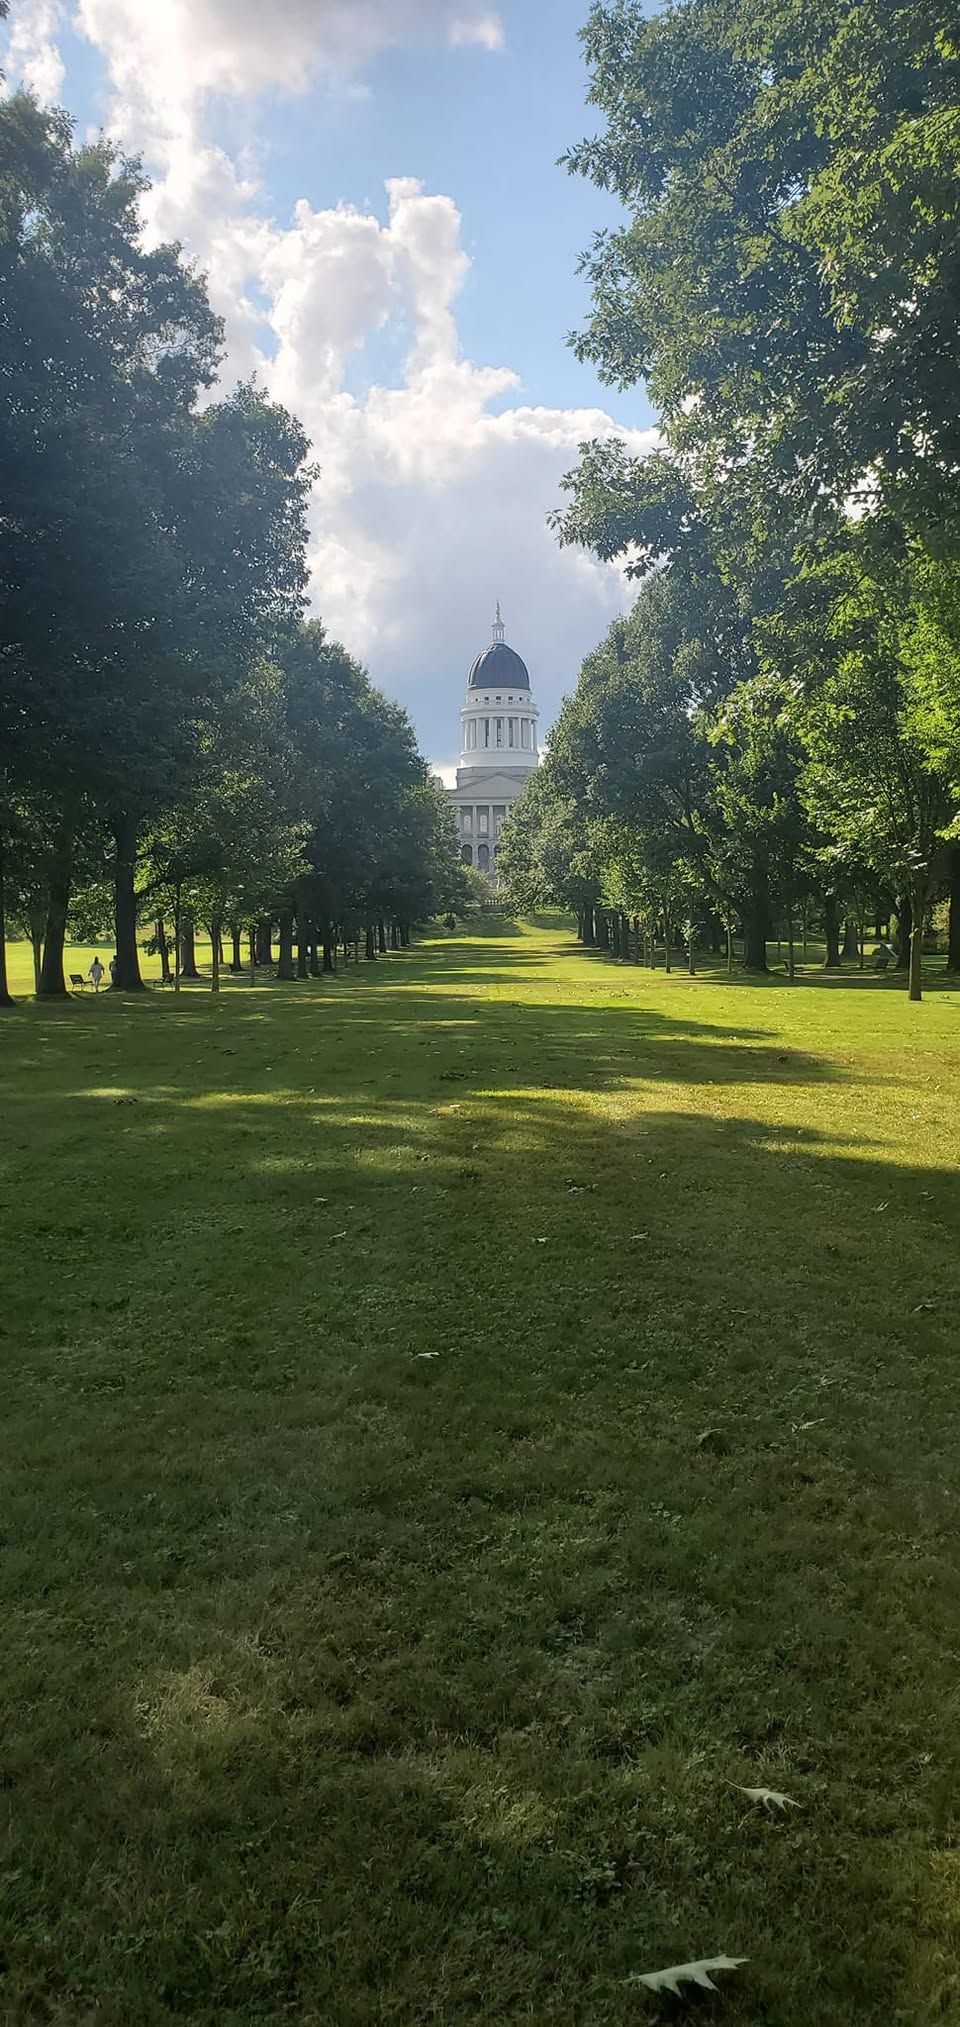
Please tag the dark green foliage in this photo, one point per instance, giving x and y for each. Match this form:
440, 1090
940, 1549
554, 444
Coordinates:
787, 274
158, 695
786, 279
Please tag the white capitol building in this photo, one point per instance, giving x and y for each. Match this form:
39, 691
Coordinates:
498, 748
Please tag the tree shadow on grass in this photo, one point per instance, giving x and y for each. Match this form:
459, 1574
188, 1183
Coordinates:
480, 1042
422, 1510
713, 971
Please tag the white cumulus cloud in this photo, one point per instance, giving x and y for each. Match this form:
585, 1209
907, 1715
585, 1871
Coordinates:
33, 58
184, 48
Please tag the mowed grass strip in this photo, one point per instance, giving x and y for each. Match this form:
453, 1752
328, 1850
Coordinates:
463, 1422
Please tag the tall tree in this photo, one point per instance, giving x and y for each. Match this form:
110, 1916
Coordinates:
100, 341
786, 278
877, 701
148, 550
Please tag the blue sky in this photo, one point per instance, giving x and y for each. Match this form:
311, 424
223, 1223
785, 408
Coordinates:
373, 188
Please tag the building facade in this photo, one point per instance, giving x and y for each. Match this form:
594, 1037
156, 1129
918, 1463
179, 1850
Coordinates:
498, 749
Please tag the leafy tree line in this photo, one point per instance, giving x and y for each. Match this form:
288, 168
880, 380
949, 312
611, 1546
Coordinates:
169, 724
779, 718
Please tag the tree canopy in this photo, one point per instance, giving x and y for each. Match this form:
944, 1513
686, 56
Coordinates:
168, 724
781, 710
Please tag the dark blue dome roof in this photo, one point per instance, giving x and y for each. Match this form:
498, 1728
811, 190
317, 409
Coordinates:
499, 667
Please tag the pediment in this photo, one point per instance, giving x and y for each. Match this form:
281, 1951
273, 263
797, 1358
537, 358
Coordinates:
485, 787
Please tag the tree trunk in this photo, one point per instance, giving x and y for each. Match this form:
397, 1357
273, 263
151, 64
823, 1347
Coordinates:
252, 952
904, 934
285, 967
636, 939
831, 931
667, 957
851, 941
791, 946
163, 950
382, 938
126, 975
5, 995
177, 937
916, 945
52, 983
755, 920
36, 952
188, 947
264, 940
953, 918
589, 928
602, 929
216, 954
692, 954
404, 935
370, 950
303, 942
329, 949
729, 949
236, 961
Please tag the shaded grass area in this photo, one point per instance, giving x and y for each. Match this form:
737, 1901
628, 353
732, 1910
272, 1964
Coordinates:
461, 1421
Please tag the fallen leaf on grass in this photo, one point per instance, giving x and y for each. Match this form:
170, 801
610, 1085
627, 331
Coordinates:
338, 1235
675, 1975
770, 1798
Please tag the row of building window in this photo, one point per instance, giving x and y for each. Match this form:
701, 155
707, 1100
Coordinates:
499, 732
483, 820
486, 854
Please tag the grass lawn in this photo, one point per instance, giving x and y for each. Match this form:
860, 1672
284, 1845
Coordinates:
463, 1422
